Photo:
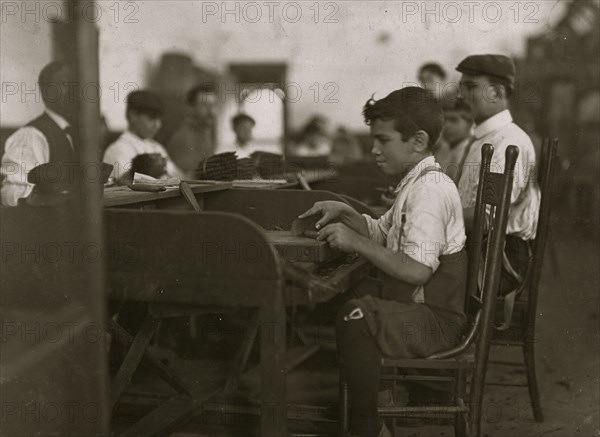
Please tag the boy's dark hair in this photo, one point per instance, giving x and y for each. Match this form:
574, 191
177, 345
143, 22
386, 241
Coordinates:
205, 88
240, 118
435, 68
145, 102
47, 76
412, 109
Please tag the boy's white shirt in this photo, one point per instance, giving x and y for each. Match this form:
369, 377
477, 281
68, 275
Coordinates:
120, 153
433, 224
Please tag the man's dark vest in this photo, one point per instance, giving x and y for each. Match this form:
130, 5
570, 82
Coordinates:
58, 142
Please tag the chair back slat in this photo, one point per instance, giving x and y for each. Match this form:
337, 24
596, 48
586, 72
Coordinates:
492, 188
546, 174
502, 187
475, 240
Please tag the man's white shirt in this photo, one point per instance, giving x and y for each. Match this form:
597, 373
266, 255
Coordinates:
500, 131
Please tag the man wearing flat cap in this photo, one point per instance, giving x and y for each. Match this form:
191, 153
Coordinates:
487, 84
144, 112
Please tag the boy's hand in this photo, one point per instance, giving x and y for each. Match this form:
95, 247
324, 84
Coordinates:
339, 236
330, 211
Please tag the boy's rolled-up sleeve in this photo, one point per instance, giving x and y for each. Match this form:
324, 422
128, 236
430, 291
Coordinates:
378, 228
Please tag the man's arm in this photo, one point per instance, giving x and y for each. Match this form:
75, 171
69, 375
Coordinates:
25, 149
468, 214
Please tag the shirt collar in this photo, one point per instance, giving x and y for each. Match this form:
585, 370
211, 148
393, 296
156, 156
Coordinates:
416, 171
58, 119
493, 123
129, 135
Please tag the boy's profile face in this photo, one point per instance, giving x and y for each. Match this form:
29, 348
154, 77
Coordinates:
393, 155
143, 125
456, 128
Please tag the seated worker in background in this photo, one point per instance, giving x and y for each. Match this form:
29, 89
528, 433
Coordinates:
345, 147
417, 246
432, 77
244, 145
487, 84
47, 139
457, 132
314, 140
193, 141
144, 110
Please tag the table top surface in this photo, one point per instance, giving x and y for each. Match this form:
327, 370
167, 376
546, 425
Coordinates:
117, 196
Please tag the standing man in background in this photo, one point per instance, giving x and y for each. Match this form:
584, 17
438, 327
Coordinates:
47, 139
193, 141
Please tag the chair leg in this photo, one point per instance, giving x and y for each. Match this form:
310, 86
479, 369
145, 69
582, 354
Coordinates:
344, 405
476, 390
460, 419
532, 383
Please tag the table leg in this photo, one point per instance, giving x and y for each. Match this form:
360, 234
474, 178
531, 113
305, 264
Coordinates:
133, 358
272, 362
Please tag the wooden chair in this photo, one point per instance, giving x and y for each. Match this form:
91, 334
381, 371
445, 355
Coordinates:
471, 354
520, 330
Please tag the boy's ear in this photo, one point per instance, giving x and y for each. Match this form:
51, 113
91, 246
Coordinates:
420, 141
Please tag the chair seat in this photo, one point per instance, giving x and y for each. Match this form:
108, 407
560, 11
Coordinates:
466, 360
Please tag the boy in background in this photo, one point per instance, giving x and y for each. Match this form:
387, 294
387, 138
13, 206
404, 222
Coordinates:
244, 145
457, 132
144, 111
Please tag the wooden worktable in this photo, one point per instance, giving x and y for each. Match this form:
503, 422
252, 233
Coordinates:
222, 257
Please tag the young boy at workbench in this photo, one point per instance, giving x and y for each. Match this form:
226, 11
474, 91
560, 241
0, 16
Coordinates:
144, 112
415, 308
